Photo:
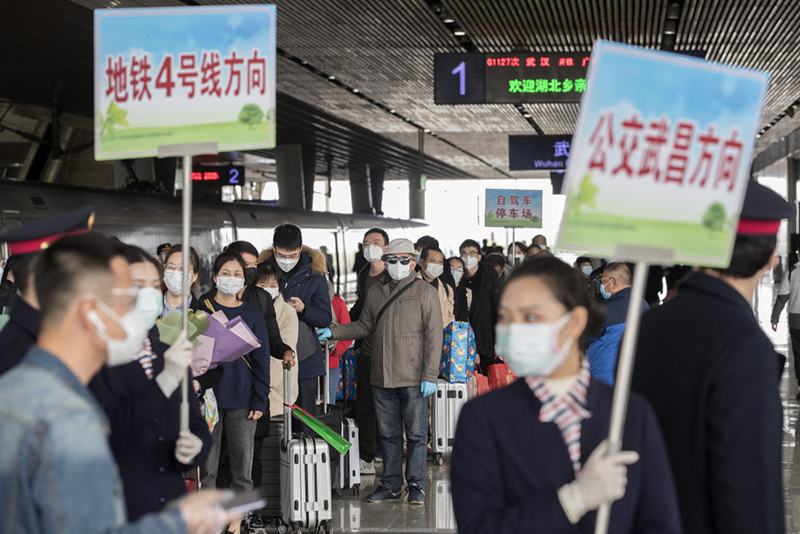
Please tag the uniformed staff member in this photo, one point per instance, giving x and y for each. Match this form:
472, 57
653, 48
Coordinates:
712, 377
22, 328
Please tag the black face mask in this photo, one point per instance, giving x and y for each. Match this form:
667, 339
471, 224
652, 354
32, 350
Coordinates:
250, 275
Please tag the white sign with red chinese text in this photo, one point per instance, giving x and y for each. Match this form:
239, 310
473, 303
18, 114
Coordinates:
661, 155
513, 208
175, 76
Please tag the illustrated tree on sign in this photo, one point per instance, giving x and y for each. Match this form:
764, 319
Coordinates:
714, 218
585, 195
251, 114
115, 116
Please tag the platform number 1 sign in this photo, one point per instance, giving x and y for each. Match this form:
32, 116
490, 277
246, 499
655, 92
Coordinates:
463, 76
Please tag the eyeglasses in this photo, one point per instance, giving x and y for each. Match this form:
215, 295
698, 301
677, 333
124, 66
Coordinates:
391, 260
170, 267
471, 253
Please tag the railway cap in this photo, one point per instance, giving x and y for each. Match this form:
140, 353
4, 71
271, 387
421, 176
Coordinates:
39, 234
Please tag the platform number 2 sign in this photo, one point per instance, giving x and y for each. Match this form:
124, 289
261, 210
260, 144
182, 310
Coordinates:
233, 176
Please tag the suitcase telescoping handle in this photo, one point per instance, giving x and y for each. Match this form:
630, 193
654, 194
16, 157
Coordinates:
287, 411
327, 381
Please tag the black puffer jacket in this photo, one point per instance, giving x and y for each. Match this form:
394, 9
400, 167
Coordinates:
485, 288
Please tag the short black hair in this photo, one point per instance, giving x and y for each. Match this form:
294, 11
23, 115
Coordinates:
242, 247
22, 266
520, 245
134, 254
470, 243
751, 253
287, 236
427, 250
377, 231
496, 260
426, 241
268, 269
567, 285
194, 259
583, 259
463, 265
70, 267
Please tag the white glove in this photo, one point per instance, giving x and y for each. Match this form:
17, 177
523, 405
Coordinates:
203, 513
602, 480
177, 360
187, 447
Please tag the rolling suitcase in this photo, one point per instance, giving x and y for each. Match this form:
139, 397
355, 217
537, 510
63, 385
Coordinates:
447, 403
305, 478
349, 475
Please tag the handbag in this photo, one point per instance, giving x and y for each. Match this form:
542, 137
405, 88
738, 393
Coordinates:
478, 385
500, 375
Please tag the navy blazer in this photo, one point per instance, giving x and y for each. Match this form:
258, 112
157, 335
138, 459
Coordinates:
144, 428
507, 467
712, 377
18, 334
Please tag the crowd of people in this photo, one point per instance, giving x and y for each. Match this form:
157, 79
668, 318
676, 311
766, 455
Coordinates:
90, 390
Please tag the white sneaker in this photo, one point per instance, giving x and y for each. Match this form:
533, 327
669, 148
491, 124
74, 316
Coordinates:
367, 468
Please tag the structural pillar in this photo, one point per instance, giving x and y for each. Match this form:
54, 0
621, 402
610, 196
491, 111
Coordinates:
376, 177
416, 184
792, 175
289, 163
309, 174
359, 189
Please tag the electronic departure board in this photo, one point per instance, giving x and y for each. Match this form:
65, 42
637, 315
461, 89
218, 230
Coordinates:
540, 77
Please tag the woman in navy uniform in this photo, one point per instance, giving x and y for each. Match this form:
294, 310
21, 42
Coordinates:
531, 457
712, 377
142, 401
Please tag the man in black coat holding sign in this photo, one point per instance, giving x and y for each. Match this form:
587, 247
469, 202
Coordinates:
712, 376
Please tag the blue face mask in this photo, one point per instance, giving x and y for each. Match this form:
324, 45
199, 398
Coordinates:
605, 294
587, 270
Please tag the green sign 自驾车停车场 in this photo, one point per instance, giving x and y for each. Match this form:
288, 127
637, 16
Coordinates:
655, 164
513, 208
183, 76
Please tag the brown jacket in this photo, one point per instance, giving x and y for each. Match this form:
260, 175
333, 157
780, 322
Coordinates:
446, 299
408, 339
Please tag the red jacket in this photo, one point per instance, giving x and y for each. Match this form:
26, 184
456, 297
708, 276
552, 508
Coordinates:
343, 317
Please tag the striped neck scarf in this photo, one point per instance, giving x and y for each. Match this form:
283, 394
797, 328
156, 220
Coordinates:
145, 357
566, 411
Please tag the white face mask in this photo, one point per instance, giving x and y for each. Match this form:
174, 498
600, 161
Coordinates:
150, 305
456, 275
121, 351
273, 292
470, 261
229, 285
434, 270
398, 271
287, 265
174, 281
373, 253
531, 349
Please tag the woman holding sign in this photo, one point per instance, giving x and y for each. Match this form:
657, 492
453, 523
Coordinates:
243, 391
530, 457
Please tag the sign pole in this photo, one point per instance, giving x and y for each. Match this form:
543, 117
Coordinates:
186, 152
513, 247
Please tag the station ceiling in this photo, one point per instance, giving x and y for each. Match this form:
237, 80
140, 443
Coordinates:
384, 49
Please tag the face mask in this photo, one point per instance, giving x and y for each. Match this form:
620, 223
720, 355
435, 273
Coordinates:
456, 275
373, 253
471, 261
434, 270
287, 265
587, 270
149, 305
417, 256
229, 285
531, 349
603, 292
398, 271
121, 351
273, 292
174, 281
250, 275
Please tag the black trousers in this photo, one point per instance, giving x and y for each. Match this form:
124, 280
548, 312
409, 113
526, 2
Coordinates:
365, 408
307, 400
794, 336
